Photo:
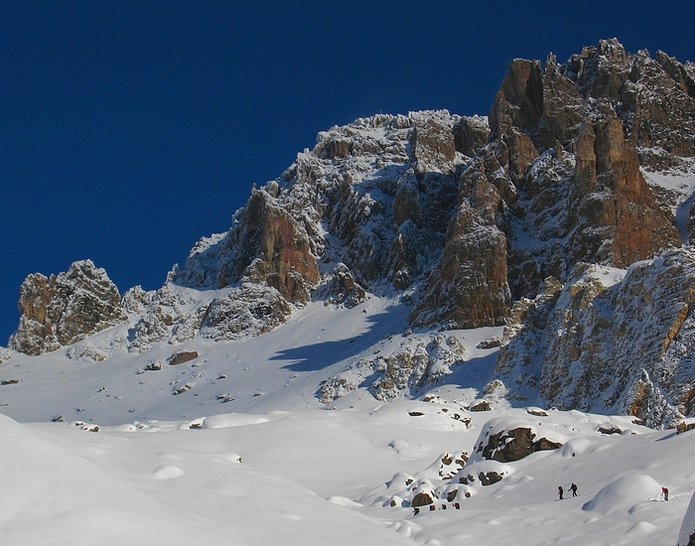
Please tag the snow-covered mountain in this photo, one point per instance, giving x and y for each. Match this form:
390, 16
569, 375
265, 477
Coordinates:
482, 290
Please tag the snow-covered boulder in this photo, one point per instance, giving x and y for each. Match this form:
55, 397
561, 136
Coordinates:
505, 440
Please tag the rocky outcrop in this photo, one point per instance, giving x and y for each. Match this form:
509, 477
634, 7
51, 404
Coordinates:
519, 101
471, 134
615, 202
266, 246
170, 315
390, 372
612, 348
654, 99
343, 289
434, 146
573, 157
248, 310
513, 445
63, 309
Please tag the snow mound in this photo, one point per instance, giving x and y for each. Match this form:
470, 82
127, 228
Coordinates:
623, 494
231, 420
167, 472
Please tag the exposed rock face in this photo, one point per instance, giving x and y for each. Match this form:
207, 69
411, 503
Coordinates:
616, 199
622, 348
266, 246
654, 99
62, 309
434, 146
519, 101
343, 289
471, 134
469, 289
276, 248
584, 197
512, 445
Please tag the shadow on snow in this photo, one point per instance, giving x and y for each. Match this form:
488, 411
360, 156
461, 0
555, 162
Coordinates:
323, 354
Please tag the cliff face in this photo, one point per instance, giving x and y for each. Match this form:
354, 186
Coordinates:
584, 198
610, 348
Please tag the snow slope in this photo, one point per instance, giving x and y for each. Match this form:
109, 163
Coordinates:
271, 465
320, 477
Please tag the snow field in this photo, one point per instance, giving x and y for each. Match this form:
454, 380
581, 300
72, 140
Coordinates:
274, 466
317, 477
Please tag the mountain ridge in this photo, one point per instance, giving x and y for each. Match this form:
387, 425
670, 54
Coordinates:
464, 220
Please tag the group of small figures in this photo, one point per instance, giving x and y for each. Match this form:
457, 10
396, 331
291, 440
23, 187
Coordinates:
433, 507
561, 491
573, 488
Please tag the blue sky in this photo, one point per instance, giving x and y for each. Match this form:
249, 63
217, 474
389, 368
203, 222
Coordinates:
130, 129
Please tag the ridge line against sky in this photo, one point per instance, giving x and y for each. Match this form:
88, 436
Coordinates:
132, 129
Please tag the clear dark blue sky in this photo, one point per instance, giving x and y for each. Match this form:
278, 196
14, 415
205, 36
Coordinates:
130, 129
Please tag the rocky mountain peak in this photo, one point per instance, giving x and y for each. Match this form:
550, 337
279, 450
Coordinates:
570, 150
62, 309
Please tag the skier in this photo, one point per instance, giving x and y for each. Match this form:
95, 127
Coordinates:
664, 492
560, 491
573, 488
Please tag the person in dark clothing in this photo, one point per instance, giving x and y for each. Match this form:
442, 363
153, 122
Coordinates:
573, 488
560, 491
664, 492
